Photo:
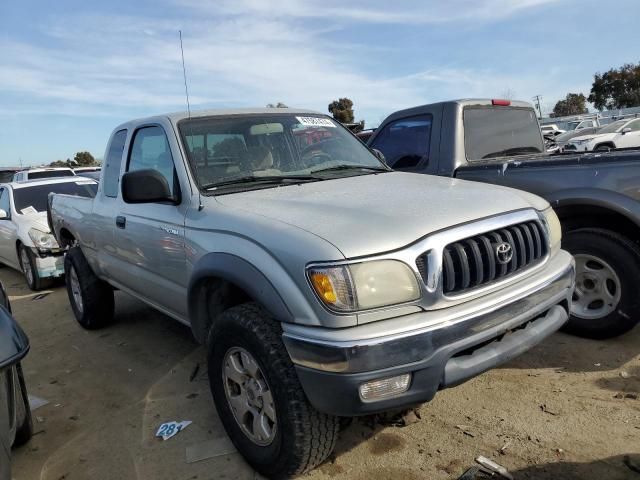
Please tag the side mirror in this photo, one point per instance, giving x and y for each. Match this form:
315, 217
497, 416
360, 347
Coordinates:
14, 344
379, 155
3, 214
145, 186
625, 130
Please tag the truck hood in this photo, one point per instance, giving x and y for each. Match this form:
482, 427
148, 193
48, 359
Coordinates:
370, 214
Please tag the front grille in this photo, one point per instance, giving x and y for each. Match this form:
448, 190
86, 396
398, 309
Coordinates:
482, 259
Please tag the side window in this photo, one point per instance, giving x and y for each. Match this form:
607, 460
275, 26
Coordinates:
634, 126
4, 201
150, 150
405, 142
112, 164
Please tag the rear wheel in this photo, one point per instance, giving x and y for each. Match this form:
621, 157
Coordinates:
30, 270
606, 300
259, 398
91, 299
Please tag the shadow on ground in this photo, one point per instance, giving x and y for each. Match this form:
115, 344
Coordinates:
621, 467
573, 354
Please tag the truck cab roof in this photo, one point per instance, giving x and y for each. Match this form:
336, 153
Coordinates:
175, 117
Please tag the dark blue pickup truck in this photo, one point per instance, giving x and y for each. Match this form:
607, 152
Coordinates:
596, 195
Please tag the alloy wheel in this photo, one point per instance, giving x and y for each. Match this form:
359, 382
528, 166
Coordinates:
249, 396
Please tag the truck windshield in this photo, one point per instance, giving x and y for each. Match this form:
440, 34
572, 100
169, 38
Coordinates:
255, 151
36, 196
491, 132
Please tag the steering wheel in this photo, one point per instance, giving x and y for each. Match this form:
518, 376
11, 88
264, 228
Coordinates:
315, 158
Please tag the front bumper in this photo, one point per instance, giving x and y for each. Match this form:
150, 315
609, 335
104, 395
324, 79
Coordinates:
49, 264
443, 354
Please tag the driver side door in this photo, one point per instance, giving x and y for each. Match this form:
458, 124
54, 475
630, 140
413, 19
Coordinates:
630, 139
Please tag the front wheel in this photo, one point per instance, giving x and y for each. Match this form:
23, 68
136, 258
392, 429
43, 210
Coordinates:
91, 299
606, 300
30, 270
259, 398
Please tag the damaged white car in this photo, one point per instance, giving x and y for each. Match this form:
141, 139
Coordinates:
26, 243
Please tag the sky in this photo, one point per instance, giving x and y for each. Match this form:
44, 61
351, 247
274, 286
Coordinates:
71, 71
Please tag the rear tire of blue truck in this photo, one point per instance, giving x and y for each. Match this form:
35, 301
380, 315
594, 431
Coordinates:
606, 302
259, 398
91, 299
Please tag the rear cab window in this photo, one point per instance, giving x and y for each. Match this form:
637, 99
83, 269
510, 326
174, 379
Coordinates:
491, 132
50, 174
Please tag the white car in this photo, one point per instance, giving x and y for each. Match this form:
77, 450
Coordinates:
26, 243
619, 134
551, 130
40, 173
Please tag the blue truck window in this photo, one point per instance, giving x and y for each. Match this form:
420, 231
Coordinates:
405, 142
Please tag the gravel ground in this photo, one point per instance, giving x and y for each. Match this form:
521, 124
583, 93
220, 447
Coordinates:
568, 409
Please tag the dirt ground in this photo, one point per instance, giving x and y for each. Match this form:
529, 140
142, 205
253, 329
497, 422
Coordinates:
568, 409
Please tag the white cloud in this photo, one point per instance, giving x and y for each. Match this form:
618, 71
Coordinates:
376, 11
240, 53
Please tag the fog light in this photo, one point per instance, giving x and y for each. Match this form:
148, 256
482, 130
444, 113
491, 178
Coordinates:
385, 388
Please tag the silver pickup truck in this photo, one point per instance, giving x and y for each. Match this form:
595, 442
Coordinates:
323, 283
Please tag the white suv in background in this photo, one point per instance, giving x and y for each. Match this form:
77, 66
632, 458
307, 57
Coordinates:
26, 243
40, 173
619, 134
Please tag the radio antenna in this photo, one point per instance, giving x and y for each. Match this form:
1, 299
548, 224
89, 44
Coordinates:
184, 74
186, 92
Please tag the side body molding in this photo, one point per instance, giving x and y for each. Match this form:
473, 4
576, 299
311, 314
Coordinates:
235, 270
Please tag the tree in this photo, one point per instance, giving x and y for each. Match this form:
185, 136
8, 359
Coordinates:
617, 88
84, 159
277, 105
342, 110
61, 163
573, 104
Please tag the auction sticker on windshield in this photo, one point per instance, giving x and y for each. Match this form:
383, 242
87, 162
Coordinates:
316, 122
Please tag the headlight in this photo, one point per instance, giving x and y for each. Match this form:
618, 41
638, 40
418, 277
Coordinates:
43, 240
581, 142
554, 229
365, 285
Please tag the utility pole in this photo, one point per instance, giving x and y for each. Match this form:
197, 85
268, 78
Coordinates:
537, 99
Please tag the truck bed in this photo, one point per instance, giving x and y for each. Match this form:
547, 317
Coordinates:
609, 179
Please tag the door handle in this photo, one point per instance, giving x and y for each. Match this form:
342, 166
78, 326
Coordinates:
121, 221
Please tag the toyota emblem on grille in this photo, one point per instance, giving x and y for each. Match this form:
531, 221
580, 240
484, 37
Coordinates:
504, 253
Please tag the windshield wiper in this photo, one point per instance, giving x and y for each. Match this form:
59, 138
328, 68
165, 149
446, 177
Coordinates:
253, 179
513, 151
351, 167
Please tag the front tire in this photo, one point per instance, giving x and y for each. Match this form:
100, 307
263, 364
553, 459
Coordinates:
603, 148
271, 423
606, 302
28, 264
91, 299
